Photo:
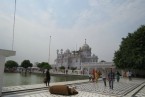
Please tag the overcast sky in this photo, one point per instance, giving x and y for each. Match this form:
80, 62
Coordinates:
103, 23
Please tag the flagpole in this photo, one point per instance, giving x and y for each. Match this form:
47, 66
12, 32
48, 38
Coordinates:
14, 26
49, 50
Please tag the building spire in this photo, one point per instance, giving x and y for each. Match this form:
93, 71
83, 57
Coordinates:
85, 41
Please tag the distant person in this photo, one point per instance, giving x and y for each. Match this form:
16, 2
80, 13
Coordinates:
104, 76
90, 77
47, 77
98, 73
66, 71
129, 74
55, 69
94, 75
118, 76
111, 77
125, 74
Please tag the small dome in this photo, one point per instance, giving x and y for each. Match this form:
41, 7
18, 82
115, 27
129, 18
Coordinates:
94, 56
67, 51
85, 46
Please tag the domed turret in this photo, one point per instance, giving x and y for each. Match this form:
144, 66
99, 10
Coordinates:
94, 56
67, 51
85, 46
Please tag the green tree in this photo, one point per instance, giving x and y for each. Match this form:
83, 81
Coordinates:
11, 65
25, 64
62, 68
43, 66
102, 61
131, 54
73, 68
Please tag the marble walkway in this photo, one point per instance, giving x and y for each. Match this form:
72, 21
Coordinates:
124, 88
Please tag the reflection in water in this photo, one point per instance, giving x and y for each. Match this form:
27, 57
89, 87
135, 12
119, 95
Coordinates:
14, 79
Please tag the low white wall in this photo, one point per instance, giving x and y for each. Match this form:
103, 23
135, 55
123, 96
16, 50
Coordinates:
3, 55
2, 61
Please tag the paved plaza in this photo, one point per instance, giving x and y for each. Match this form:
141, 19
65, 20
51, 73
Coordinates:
124, 88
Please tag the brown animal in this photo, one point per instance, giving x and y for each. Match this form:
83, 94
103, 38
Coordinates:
62, 90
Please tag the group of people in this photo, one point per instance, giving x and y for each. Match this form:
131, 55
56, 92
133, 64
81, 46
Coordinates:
110, 76
128, 74
96, 75
107, 76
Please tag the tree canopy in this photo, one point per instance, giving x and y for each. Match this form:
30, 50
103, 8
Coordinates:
11, 64
26, 64
62, 67
44, 65
73, 68
131, 54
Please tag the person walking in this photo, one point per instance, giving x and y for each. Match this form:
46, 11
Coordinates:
118, 76
97, 74
94, 75
111, 77
104, 75
90, 76
129, 74
47, 77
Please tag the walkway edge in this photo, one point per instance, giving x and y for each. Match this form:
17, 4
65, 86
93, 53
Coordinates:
135, 90
38, 86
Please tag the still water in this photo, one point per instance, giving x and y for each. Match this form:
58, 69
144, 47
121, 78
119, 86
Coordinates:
14, 79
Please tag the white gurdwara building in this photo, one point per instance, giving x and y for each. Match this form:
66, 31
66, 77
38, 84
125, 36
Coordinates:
76, 58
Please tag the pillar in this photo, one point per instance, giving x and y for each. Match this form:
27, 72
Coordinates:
3, 55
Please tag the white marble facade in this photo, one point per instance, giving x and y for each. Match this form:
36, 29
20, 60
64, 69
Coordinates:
76, 58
